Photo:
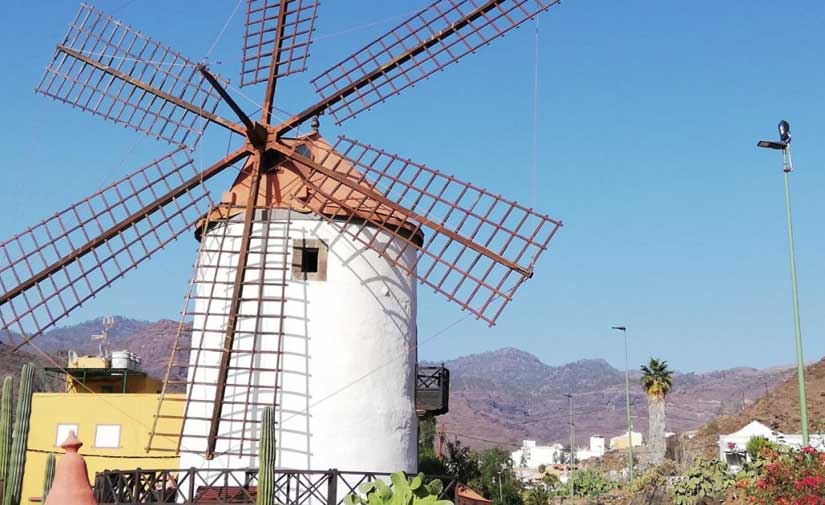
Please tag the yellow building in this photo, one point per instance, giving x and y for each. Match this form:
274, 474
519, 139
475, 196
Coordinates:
620, 442
113, 421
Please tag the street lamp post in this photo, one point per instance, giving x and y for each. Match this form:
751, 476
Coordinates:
784, 145
623, 329
572, 445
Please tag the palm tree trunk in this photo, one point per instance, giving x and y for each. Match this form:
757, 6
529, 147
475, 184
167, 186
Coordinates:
656, 429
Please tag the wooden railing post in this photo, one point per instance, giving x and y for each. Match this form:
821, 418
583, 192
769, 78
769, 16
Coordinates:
332, 486
191, 497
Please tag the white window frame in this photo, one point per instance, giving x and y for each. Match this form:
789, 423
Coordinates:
107, 445
61, 433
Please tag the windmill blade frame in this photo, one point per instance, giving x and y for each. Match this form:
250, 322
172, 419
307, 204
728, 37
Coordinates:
427, 42
277, 37
56, 266
474, 247
108, 69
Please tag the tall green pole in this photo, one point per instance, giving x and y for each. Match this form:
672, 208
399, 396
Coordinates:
572, 446
800, 362
627, 398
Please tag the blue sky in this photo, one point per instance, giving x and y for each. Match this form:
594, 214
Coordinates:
648, 114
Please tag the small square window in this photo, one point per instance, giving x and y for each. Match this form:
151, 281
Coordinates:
63, 431
309, 260
107, 389
107, 436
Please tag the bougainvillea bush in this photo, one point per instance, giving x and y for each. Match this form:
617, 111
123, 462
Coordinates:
788, 478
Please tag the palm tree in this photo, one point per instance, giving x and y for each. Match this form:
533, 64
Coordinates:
657, 381
539, 495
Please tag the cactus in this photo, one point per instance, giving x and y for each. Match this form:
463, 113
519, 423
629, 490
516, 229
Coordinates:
5, 430
266, 454
22, 419
48, 477
403, 491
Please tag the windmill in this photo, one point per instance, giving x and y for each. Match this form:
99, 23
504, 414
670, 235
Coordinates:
305, 276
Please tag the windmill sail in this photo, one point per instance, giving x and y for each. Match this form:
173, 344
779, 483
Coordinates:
474, 247
427, 42
277, 37
106, 68
59, 264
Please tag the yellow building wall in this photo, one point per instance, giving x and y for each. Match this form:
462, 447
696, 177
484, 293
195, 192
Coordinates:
134, 413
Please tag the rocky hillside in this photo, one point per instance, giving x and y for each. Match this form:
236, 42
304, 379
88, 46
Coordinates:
151, 340
500, 397
779, 409
505, 396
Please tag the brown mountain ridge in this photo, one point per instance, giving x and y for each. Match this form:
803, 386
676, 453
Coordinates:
498, 397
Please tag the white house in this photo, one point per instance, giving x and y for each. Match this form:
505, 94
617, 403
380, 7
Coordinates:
733, 447
596, 449
531, 455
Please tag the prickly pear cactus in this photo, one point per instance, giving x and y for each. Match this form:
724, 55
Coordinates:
403, 491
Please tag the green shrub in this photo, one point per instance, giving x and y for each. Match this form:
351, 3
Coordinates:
587, 483
653, 478
756, 446
705, 479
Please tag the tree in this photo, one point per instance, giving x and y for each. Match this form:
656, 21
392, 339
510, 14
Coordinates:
495, 477
461, 462
756, 445
551, 481
539, 495
657, 381
428, 462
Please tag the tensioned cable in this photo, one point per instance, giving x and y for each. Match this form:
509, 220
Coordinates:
533, 167
223, 30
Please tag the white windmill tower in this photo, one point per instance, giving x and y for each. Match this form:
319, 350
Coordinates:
305, 281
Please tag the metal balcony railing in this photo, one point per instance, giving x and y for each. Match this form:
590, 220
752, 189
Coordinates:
234, 486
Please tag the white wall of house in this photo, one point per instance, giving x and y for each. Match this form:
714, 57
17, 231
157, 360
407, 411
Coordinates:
535, 455
596, 449
733, 447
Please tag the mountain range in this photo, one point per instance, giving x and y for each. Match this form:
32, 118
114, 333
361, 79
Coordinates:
497, 398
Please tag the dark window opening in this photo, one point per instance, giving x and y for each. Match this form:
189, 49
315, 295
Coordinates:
107, 389
309, 260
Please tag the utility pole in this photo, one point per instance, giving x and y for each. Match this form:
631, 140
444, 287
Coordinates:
623, 329
442, 434
572, 445
784, 145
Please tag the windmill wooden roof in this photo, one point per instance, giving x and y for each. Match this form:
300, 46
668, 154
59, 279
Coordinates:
282, 188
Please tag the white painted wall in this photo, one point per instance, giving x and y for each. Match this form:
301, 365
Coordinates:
733, 446
535, 455
347, 399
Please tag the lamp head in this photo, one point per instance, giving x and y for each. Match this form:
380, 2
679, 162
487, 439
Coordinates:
772, 144
784, 131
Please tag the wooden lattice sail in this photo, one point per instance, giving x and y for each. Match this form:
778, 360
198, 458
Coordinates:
468, 244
